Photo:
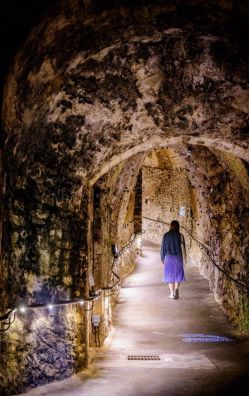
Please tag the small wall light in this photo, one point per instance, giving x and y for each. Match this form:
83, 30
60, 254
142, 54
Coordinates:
189, 152
182, 211
22, 309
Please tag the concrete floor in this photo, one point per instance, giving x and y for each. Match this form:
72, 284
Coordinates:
147, 322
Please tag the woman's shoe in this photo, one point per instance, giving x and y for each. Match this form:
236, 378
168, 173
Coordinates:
172, 296
176, 295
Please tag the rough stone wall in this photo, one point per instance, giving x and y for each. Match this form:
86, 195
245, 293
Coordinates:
221, 182
213, 187
114, 212
41, 347
2, 188
166, 196
138, 204
233, 222
44, 262
113, 209
113, 226
45, 240
125, 221
50, 252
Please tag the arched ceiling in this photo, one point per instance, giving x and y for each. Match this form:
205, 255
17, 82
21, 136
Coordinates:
93, 86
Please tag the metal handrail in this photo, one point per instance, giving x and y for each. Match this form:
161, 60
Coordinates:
116, 257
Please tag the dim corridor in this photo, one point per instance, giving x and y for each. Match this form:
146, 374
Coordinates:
200, 353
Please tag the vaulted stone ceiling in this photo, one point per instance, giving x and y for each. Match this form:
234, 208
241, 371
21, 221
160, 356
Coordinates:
95, 83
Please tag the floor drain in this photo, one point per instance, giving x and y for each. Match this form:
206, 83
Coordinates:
141, 357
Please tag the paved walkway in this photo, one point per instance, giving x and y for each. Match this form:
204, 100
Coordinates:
185, 334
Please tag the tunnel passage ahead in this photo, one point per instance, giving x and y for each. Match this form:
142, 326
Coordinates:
200, 353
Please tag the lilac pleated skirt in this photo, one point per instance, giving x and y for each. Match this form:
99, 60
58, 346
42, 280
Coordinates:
173, 269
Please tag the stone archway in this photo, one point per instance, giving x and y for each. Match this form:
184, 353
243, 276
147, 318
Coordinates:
156, 143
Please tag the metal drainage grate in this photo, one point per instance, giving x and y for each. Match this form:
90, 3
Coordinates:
141, 357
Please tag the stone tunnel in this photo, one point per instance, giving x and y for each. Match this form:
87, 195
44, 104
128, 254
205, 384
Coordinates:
117, 117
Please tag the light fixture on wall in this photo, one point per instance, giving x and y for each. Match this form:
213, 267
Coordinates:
139, 241
189, 152
182, 211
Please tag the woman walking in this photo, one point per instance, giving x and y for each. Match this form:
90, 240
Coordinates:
173, 252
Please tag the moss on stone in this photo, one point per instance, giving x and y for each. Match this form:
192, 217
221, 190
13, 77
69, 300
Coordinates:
243, 319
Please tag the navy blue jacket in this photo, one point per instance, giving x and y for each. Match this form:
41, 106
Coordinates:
171, 244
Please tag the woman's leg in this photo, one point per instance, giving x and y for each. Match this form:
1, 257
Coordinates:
176, 292
172, 289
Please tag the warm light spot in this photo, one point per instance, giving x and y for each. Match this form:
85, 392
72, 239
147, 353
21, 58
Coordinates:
139, 241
